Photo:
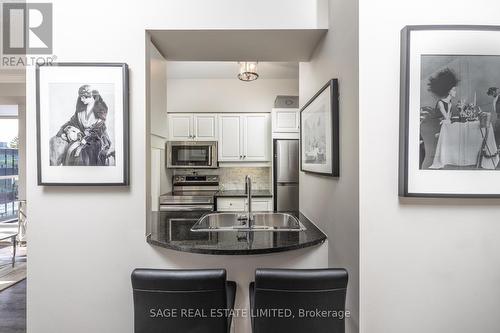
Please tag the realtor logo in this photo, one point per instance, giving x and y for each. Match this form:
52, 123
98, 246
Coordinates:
27, 28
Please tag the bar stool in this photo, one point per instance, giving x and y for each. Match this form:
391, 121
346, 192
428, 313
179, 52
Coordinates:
298, 301
195, 301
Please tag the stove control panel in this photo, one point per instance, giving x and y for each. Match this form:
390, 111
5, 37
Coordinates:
195, 179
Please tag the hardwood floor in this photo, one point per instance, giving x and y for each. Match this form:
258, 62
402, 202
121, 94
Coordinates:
13, 309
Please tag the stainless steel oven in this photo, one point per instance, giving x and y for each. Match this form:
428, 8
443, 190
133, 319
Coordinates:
191, 154
192, 197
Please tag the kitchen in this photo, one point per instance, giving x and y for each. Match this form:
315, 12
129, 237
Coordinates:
228, 150
203, 136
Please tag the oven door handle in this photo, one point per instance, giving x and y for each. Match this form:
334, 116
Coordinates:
185, 208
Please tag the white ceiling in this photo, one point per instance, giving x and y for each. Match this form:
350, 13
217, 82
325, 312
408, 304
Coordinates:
229, 70
237, 45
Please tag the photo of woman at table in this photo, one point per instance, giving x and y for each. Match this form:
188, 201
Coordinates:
456, 133
444, 87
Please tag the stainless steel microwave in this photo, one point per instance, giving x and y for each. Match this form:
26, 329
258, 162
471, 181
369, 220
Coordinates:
191, 154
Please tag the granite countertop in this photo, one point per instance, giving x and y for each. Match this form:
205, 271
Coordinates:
177, 235
242, 194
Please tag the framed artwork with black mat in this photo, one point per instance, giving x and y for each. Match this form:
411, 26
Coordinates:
82, 124
319, 132
450, 112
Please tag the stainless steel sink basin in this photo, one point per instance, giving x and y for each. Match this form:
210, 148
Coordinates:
238, 222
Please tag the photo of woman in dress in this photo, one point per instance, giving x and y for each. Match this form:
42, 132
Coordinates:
444, 87
83, 140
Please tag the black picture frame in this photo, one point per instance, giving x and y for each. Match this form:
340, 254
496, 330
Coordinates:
333, 85
404, 109
125, 88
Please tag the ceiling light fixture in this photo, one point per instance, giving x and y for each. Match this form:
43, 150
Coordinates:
248, 71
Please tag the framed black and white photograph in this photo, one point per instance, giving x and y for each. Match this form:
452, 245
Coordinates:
450, 111
319, 132
82, 124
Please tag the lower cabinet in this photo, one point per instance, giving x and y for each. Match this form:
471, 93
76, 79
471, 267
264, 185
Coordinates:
231, 204
262, 204
240, 204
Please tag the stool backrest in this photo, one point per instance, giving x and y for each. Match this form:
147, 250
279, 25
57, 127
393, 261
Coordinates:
310, 300
179, 300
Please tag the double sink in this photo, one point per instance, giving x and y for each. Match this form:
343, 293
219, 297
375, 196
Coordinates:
239, 222
248, 221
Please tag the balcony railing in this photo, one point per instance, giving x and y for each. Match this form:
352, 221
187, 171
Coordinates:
9, 171
9, 162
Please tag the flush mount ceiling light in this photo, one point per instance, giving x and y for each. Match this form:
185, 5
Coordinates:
248, 71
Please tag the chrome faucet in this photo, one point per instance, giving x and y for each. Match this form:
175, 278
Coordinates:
248, 185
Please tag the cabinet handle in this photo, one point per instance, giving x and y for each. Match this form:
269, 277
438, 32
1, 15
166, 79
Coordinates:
244, 156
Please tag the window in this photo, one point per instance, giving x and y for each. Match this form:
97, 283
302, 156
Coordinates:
9, 162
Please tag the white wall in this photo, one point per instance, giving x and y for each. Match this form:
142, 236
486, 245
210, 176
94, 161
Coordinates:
157, 92
157, 88
85, 241
332, 202
428, 265
226, 95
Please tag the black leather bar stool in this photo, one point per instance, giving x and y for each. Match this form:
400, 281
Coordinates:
195, 301
309, 300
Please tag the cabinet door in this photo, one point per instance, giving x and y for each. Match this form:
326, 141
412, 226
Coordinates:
180, 126
256, 134
286, 120
230, 204
230, 138
205, 127
260, 204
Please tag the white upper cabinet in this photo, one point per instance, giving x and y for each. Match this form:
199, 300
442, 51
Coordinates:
244, 138
205, 127
256, 137
286, 120
179, 127
189, 126
230, 147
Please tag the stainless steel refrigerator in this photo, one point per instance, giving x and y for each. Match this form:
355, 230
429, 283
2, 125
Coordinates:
286, 175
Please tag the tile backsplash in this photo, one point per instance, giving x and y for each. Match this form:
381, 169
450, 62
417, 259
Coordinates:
233, 178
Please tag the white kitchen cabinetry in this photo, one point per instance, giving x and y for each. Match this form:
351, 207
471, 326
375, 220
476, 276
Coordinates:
192, 127
261, 204
231, 204
244, 137
179, 127
286, 120
239, 204
256, 137
205, 127
230, 138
